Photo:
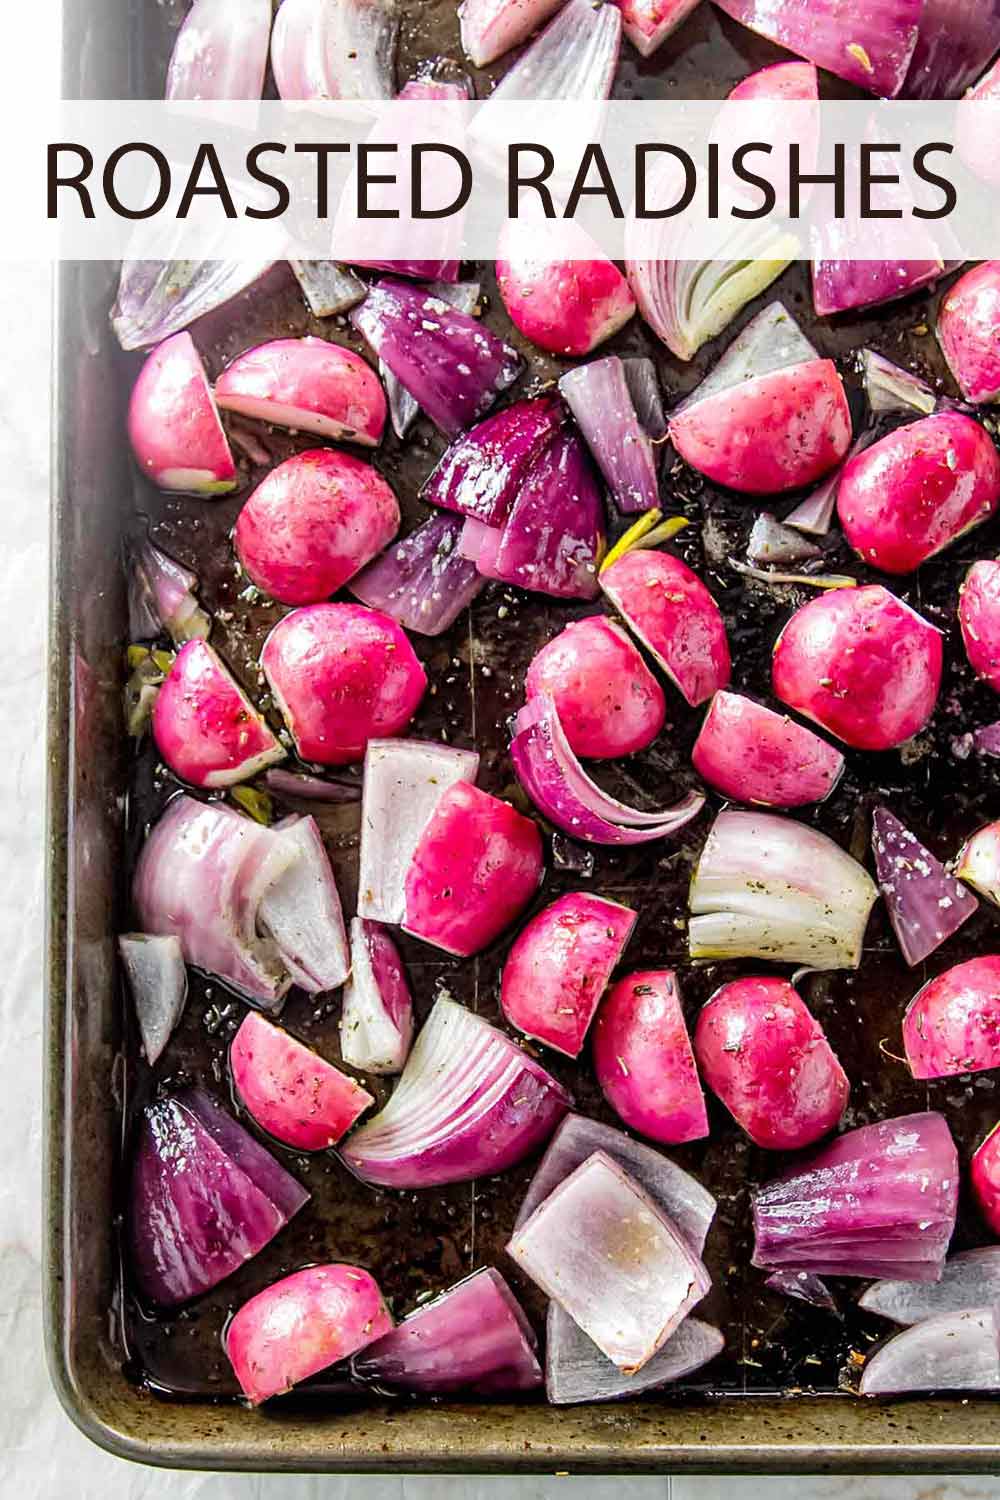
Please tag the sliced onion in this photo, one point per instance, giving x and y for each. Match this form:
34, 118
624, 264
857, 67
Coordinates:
771, 341
206, 1197
376, 1021
772, 888
157, 980
600, 396
843, 285
404, 780
312, 788
423, 582
884, 1194
575, 58
492, 27
161, 595
804, 1287
301, 910
563, 792
889, 388
335, 49
469, 1104
328, 287
968, 1280
682, 1198
480, 474
403, 408
956, 41
814, 515
871, 47
576, 1371
978, 861
772, 542
602, 1248
453, 367
926, 905
954, 1352
221, 51
473, 1338
159, 298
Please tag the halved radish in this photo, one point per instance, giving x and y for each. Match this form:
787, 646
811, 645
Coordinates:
968, 330
952, 1024
205, 726
984, 1175
783, 80
643, 1059
750, 753
979, 618
671, 611
560, 290
307, 384
608, 701
292, 1092
173, 425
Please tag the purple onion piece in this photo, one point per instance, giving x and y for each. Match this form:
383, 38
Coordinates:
403, 408
957, 41
480, 474
161, 597
957, 1351
605, 1251
870, 46
772, 542
926, 905
576, 1371
890, 388
301, 911
221, 51
328, 287
682, 1198
847, 285
311, 788
472, 1338
423, 581
205, 1198
804, 1287
970, 1279
376, 1021
987, 739
157, 979
451, 365
157, 298
599, 396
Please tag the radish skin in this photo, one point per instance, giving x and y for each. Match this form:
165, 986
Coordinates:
173, 425
644, 1061
609, 703
984, 1177
750, 753
952, 1024
292, 1092
558, 288
309, 385
205, 726
979, 620
673, 614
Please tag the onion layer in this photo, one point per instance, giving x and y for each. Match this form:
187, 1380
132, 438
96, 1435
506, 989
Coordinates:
376, 1020
969, 1279
344, 50
480, 474
953, 1352
221, 51
161, 596
421, 582
158, 298
926, 905
157, 980
616, 403
301, 911
576, 1370
328, 287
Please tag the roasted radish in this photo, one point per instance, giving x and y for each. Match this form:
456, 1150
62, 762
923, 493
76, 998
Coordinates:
984, 1175
307, 384
674, 616
558, 288
173, 425
643, 1059
205, 726
952, 1024
608, 701
750, 753
979, 619
292, 1092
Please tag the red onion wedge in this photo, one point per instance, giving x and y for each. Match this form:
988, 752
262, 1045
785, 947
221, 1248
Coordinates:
303, 1324
978, 863
473, 1338
376, 1020
205, 1198
888, 388
312, 523
161, 596
814, 515
862, 665
307, 384
604, 1250
422, 582
803, 1286
976, 120
984, 1178
648, 23
771, 542
673, 614
846, 285
340, 50
956, 41
752, 754
608, 701
575, 58
328, 287
476, 866
157, 298
987, 739
644, 1062
952, 1024
576, 1371
492, 27
562, 791
969, 1279
404, 781
482, 471
403, 408
871, 48
979, 619
682, 1198
926, 905
342, 675
559, 966
221, 51
469, 1104
771, 888
292, 1093
619, 428
205, 726
157, 981
301, 911
300, 785
919, 489
968, 330
559, 290
767, 1058
452, 366
882, 1194
952, 1352
173, 425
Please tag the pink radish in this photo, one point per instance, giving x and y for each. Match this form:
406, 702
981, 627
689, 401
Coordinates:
492, 27
952, 1024
968, 330
205, 726
984, 1175
644, 1062
862, 665
609, 703
674, 616
301, 1325
783, 80
978, 862
559, 966
979, 618
307, 384
476, 866
750, 753
313, 523
767, 1058
292, 1092
648, 23
341, 675
917, 490
173, 425
976, 119
558, 287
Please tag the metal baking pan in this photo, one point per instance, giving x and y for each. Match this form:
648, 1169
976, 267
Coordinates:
158, 1392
